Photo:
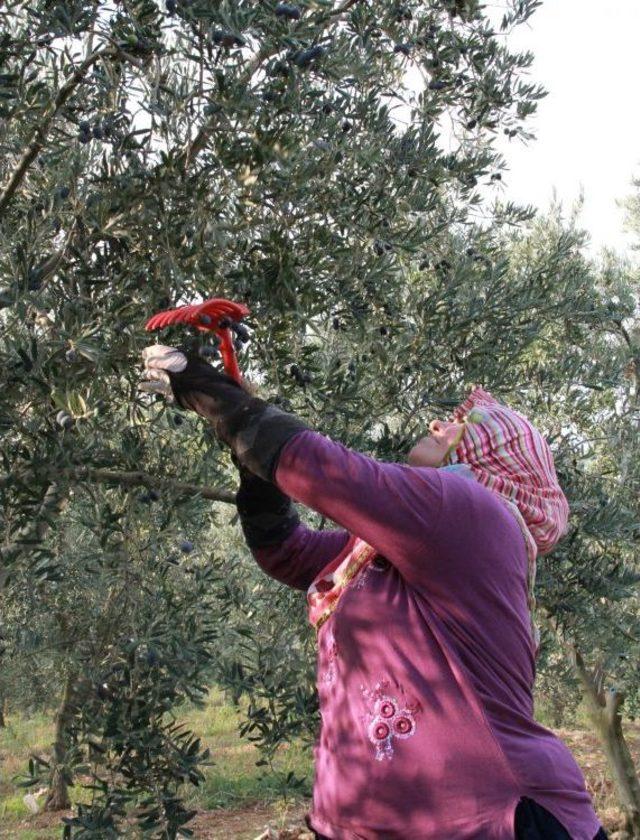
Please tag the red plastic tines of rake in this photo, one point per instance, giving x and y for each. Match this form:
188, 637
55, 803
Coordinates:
206, 317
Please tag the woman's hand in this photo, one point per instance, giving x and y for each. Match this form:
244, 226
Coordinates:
171, 372
160, 360
253, 429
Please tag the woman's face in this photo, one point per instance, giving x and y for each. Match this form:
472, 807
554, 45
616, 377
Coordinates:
431, 451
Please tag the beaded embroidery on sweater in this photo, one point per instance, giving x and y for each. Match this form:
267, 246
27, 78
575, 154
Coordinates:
389, 719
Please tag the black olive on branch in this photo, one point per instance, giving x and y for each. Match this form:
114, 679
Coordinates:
401, 13
241, 332
224, 38
303, 58
405, 49
288, 11
64, 419
207, 351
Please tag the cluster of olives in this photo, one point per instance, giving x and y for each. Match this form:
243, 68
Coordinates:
301, 377
86, 131
240, 331
149, 496
303, 58
404, 48
443, 267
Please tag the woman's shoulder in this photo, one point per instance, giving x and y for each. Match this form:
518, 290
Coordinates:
476, 508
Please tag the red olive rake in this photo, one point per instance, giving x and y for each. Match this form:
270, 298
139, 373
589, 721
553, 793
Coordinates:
214, 315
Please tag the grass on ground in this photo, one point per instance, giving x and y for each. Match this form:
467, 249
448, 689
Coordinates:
232, 782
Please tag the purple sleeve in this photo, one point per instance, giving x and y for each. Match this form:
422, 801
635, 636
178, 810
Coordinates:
303, 554
392, 507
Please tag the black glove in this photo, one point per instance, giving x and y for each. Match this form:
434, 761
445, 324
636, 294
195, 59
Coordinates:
267, 515
255, 430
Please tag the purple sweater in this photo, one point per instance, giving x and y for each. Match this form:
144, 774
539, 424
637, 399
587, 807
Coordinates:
425, 669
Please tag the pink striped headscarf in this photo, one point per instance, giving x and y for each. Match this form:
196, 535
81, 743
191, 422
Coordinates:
509, 456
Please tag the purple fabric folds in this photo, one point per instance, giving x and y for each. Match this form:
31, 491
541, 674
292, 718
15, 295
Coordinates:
425, 670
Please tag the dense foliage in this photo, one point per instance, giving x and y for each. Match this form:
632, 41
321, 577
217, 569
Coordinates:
279, 155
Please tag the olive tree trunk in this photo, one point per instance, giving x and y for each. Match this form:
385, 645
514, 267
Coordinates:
604, 709
58, 794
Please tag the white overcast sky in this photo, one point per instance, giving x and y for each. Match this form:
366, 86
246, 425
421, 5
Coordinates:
587, 55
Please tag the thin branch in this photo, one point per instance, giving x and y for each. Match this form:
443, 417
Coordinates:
138, 478
624, 333
585, 678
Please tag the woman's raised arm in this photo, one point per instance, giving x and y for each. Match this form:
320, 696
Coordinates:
393, 507
282, 546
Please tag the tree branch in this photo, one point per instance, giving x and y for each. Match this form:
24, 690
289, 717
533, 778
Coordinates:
38, 137
138, 478
613, 703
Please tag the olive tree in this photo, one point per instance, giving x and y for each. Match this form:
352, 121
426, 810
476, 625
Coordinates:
272, 153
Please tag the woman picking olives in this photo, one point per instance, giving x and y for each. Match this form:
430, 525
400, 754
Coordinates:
422, 605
